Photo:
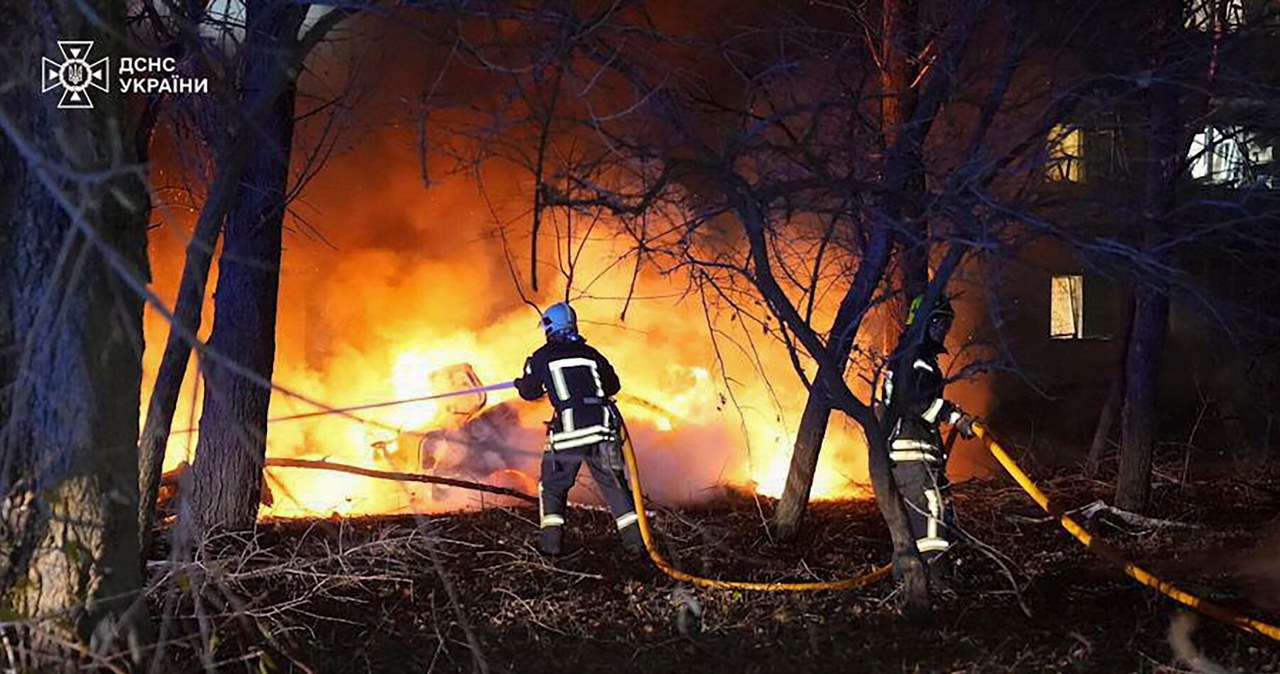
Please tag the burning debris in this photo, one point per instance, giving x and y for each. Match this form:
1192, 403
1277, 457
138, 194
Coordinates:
459, 377
481, 444
479, 437
467, 439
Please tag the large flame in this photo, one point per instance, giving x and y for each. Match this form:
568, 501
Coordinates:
369, 322
409, 280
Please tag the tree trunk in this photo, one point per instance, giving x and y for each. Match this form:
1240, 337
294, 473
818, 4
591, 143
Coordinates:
70, 353
226, 475
916, 604
817, 411
1151, 298
804, 462
187, 316
1114, 403
1142, 372
900, 31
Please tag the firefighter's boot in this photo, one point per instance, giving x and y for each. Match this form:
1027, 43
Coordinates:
551, 541
941, 574
632, 542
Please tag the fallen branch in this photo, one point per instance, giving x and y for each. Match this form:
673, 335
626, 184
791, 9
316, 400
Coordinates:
401, 477
1101, 507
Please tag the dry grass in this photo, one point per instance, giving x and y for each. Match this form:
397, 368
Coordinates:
469, 593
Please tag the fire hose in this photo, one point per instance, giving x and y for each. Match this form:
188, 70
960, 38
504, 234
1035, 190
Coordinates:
347, 411
1211, 609
671, 571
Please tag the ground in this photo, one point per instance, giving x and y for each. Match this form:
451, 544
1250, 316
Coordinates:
406, 594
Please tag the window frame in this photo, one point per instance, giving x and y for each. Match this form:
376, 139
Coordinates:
1229, 155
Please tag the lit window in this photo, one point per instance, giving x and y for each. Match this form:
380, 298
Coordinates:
1227, 156
1066, 307
1209, 15
1066, 154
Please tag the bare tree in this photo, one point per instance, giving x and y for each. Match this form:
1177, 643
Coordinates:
1151, 301
743, 160
231, 147
232, 123
226, 475
1194, 123
911, 96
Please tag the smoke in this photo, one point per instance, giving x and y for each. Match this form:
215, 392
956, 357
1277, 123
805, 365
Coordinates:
1181, 627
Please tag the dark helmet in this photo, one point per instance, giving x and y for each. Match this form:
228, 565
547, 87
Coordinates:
942, 307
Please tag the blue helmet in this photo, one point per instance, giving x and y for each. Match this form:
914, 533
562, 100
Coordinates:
560, 321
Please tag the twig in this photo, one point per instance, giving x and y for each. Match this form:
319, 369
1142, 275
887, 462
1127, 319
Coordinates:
452, 592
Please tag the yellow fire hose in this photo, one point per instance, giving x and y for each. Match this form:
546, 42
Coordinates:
664, 566
1213, 610
1139, 574
1099, 548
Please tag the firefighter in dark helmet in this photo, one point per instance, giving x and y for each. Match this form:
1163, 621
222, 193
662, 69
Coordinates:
580, 383
915, 406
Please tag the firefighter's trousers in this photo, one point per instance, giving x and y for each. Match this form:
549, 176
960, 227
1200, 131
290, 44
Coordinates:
920, 470
560, 469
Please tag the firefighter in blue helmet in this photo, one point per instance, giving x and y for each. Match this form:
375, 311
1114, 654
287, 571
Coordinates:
580, 383
915, 406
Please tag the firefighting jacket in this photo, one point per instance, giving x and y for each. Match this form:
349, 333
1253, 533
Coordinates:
913, 397
579, 382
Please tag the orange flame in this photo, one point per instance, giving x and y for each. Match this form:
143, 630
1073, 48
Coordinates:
414, 282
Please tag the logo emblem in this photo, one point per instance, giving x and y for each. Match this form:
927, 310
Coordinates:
75, 74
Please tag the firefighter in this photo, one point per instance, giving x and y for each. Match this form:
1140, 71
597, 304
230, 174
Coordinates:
915, 406
584, 428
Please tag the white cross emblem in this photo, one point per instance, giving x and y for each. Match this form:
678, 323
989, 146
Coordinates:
75, 74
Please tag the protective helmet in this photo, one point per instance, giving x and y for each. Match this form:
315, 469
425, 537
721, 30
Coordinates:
560, 321
942, 307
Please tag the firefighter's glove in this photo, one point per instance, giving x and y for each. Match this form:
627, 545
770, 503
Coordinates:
965, 425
